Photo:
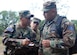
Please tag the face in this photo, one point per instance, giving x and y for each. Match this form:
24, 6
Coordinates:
25, 21
34, 25
49, 15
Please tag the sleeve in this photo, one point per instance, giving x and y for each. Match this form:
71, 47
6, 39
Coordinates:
7, 35
68, 34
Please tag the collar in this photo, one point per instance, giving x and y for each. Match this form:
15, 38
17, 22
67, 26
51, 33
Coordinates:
48, 23
55, 19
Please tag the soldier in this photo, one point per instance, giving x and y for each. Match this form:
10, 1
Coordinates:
19, 31
58, 34
35, 27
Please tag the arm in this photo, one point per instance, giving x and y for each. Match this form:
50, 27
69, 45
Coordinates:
7, 34
68, 36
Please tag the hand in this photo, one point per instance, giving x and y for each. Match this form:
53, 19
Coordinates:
25, 41
46, 43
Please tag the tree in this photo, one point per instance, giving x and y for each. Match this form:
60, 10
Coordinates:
6, 18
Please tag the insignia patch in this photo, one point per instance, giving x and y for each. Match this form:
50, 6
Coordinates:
9, 29
70, 27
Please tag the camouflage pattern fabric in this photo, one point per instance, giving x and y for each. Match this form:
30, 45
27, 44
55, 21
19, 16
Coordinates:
37, 35
58, 46
20, 33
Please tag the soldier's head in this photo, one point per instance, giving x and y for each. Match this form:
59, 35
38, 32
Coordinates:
49, 10
25, 17
35, 23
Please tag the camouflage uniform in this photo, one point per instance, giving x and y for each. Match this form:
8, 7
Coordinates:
58, 46
37, 35
20, 32
17, 32
37, 31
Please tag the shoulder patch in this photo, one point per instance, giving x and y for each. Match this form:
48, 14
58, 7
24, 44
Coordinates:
10, 29
71, 27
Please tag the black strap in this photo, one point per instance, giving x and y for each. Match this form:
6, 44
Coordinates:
58, 26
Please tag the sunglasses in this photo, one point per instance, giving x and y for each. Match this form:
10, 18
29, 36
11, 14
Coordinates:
36, 23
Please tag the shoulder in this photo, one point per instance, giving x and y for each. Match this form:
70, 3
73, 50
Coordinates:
63, 18
66, 21
9, 29
29, 29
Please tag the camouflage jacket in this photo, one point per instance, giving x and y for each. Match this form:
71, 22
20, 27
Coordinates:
37, 35
58, 46
18, 33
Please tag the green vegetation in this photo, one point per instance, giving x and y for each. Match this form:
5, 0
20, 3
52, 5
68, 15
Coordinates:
7, 18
